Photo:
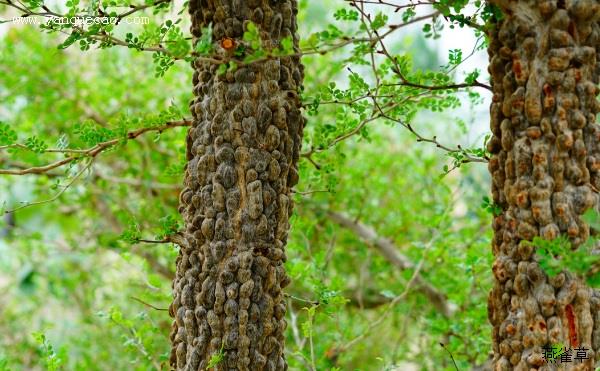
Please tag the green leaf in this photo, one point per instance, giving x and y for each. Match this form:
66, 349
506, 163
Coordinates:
7, 135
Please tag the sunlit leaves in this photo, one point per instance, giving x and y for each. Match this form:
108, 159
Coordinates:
204, 44
455, 56
346, 15
557, 255
252, 36
408, 14
472, 76
53, 360
132, 233
162, 63
168, 225
35, 144
7, 135
92, 134
488, 205
217, 357
379, 21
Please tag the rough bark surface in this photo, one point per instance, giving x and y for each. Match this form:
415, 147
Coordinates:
242, 153
545, 168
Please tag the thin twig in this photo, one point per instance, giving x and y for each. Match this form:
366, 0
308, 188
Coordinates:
93, 151
56, 196
451, 356
148, 304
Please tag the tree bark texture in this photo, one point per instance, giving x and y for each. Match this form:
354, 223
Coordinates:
243, 148
545, 167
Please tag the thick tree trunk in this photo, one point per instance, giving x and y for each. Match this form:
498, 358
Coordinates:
545, 168
242, 151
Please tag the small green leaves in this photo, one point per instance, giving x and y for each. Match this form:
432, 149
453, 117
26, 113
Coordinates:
346, 15
216, 357
488, 205
35, 144
175, 40
491, 11
91, 134
7, 135
133, 42
163, 62
222, 69
70, 40
204, 45
252, 36
286, 46
592, 218
454, 57
433, 30
472, 76
558, 255
408, 14
52, 359
168, 225
132, 233
379, 21
175, 170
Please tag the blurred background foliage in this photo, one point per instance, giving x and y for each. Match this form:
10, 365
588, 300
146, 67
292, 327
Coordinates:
79, 290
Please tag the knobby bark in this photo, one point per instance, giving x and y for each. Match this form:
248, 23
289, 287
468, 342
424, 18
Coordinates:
243, 148
545, 168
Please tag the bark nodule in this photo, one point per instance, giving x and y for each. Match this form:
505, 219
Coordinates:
545, 169
242, 150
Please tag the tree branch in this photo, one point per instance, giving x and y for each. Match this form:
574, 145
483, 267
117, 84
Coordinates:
92, 151
390, 251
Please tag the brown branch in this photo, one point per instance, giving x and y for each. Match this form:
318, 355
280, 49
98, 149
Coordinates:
148, 304
137, 8
405, 82
334, 352
176, 238
92, 151
466, 157
57, 195
114, 224
370, 301
155, 265
390, 251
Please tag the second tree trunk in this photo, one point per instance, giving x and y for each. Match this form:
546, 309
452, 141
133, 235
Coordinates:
545, 168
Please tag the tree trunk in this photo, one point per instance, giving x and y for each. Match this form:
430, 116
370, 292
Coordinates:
545, 168
243, 148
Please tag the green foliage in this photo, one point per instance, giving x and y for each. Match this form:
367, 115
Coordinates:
53, 360
132, 233
168, 225
77, 272
35, 144
163, 62
3, 363
488, 205
252, 36
204, 45
216, 357
346, 14
7, 135
379, 21
557, 255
